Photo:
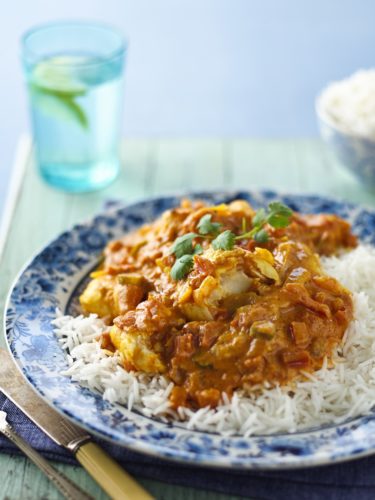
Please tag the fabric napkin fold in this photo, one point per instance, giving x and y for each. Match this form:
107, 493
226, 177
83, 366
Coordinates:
335, 482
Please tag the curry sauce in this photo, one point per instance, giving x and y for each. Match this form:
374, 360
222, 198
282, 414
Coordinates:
255, 313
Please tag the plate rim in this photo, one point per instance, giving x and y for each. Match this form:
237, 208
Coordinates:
317, 459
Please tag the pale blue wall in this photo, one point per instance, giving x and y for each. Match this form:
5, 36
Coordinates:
206, 67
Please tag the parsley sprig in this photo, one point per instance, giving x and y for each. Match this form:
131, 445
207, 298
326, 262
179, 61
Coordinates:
277, 215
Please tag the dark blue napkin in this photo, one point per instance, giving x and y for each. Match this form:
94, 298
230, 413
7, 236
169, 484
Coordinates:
335, 482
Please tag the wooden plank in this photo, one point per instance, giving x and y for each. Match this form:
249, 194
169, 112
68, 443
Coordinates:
263, 164
345, 185
183, 165
23, 153
323, 174
22, 480
40, 214
320, 172
132, 183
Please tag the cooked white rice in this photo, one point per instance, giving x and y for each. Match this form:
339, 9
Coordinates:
350, 104
327, 396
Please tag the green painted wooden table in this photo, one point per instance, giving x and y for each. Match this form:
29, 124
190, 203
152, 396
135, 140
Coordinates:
152, 167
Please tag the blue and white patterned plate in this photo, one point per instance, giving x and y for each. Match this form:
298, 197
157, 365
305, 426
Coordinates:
50, 280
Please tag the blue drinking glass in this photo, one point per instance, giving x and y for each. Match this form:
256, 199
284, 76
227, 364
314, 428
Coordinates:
74, 73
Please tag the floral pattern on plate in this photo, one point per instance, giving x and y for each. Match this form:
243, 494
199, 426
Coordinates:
50, 280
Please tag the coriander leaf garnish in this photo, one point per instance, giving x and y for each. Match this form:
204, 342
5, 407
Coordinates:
259, 218
183, 245
279, 215
277, 206
261, 236
225, 241
206, 226
198, 250
276, 215
182, 267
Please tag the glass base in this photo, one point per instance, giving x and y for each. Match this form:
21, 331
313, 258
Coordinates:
80, 177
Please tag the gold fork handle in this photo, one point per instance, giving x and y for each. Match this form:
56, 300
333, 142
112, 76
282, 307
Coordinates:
117, 483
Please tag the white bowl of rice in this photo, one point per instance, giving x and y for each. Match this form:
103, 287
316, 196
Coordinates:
346, 114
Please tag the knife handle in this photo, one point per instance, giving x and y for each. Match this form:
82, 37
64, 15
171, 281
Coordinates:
117, 483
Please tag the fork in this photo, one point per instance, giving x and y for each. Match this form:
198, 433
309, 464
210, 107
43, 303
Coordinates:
68, 489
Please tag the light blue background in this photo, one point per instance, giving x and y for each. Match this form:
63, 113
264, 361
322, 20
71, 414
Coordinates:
205, 67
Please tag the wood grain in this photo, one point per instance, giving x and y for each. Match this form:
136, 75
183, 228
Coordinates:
152, 167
